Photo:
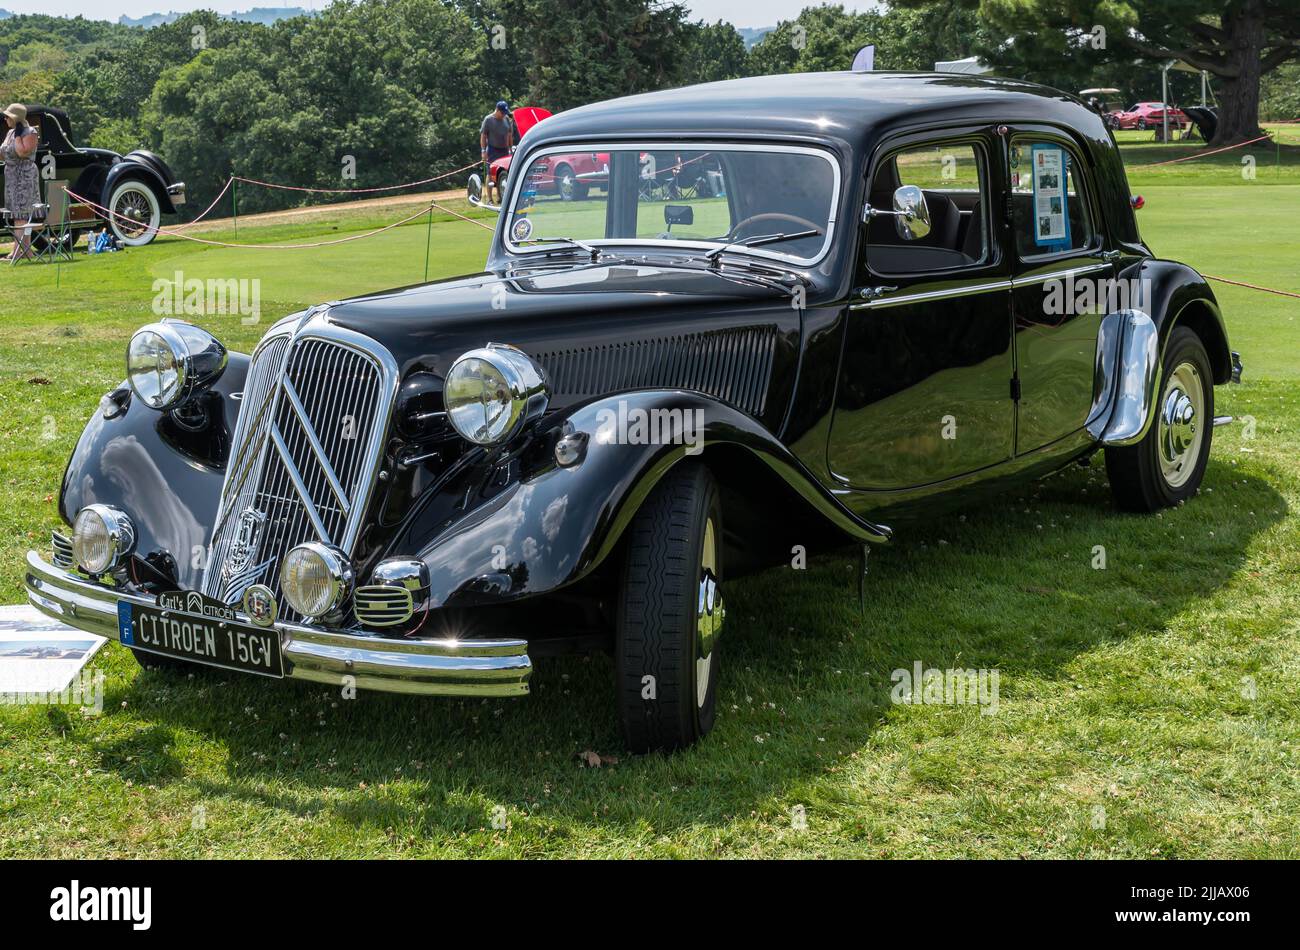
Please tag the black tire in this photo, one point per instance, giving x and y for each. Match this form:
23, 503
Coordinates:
667, 696
1142, 125
1140, 478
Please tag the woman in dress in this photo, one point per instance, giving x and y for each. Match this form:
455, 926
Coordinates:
22, 187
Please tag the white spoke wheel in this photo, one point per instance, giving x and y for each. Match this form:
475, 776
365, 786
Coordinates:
670, 613
1167, 466
136, 213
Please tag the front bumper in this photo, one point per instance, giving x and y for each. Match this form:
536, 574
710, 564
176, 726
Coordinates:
428, 667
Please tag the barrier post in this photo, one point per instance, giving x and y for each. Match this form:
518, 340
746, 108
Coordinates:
428, 238
234, 203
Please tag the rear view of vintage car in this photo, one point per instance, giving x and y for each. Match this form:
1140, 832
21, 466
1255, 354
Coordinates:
887, 292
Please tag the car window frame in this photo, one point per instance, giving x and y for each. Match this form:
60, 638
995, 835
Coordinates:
978, 138
664, 145
1083, 184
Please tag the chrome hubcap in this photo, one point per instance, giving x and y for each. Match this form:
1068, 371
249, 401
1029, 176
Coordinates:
1182, 413
709, 614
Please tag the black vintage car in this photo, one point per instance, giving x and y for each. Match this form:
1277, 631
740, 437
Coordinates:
133, 191
894, 290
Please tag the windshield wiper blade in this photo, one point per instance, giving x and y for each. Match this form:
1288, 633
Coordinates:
589, 248
758, 241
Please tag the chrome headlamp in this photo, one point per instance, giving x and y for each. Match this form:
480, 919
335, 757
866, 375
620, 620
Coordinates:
493, 392
168, 362
102, 537
315, 578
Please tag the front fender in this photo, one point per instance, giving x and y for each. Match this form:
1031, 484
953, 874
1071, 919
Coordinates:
166, 478
551, 528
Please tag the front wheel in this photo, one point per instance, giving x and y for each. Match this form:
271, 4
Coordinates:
135, 213
670, 614
1167, 466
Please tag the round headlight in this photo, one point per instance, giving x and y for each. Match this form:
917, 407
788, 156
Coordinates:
492, 393
315, 578
101, 538
167, 362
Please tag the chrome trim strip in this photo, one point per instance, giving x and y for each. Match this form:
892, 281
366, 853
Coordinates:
313, 440
430, 667
928, 295
1032, 279
517, 181
295, 479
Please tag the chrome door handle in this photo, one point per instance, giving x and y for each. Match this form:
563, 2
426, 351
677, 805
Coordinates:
872, 293
1110, 256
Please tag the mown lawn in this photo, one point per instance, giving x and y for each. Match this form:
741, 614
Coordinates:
1145, 709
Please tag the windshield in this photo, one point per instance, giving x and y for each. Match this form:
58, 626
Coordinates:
705, 197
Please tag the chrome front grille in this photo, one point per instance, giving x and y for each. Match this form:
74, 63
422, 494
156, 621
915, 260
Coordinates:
305, 454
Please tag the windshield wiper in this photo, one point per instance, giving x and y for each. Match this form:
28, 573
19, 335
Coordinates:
758, 241
589, 248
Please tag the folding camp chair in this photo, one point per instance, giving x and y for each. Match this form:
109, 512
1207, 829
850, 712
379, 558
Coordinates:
54, 226
39, 211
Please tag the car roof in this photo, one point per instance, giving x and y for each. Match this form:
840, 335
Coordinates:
834, 105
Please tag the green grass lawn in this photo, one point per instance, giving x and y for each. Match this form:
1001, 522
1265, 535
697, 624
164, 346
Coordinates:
1149, 709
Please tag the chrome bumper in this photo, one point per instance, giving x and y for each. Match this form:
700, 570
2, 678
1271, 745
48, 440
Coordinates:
427, 667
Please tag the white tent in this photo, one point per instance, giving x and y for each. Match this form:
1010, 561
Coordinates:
971, 64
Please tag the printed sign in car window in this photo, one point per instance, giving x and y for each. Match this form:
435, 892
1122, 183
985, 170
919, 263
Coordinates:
1050, 221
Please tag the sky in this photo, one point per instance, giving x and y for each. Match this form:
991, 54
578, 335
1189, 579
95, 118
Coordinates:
739, 12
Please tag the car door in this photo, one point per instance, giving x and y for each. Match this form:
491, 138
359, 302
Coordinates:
924, 385
1062, 285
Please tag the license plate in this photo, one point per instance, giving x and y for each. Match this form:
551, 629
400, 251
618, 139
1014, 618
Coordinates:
190, 626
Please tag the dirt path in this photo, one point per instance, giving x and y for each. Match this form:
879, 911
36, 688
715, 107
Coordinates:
396, 202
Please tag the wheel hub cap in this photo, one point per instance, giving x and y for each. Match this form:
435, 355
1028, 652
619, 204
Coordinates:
1181, 431
709, 614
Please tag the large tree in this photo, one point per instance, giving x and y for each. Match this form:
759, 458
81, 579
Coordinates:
1236, 41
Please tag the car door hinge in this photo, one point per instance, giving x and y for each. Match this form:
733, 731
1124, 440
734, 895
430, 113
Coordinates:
1015, 388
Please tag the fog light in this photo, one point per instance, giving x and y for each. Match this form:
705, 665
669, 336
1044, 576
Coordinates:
101, 537
315, 579
570, 448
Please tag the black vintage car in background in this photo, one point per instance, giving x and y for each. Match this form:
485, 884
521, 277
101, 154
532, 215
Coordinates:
136, 189
876, 305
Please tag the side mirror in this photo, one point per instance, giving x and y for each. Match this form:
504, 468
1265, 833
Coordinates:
678, 214
911, 214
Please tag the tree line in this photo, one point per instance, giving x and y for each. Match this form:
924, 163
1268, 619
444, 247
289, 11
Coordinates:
373, 92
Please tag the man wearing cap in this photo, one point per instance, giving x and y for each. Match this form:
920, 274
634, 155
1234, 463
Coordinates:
495, 135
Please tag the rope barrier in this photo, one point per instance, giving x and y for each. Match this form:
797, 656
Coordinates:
1188, 158
358, 191
276, 247
198, 218
1238, 283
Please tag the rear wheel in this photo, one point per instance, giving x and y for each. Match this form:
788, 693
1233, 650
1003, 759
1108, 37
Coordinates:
1167, 466
566, 182
135, 213
670, 614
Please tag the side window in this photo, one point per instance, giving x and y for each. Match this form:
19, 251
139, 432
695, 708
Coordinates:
1049, 208
953, 177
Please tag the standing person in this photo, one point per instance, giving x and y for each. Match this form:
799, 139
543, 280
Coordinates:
496, 134
22, 186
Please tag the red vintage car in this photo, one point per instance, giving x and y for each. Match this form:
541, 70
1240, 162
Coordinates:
1146, 115
570, 176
